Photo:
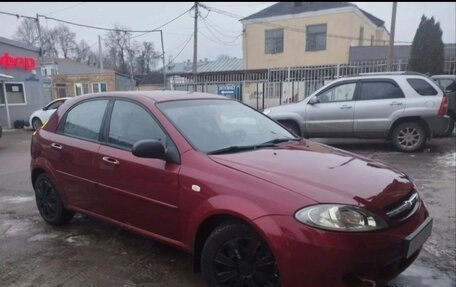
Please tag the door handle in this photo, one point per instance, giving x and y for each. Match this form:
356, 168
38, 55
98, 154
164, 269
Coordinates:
345, 107
396, 104
56, 146
110, 160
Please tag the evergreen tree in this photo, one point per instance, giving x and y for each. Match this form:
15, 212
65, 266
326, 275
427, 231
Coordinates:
427, 54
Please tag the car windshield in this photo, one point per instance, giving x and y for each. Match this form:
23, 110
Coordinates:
223, 126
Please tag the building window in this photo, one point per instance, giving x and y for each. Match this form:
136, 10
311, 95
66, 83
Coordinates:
15, 94
81, 89
372, 40
361, 36
316, 37
99, 87
61, 90
273, 41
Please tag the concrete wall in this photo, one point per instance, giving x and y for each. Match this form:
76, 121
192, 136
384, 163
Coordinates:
33, 86
345, 23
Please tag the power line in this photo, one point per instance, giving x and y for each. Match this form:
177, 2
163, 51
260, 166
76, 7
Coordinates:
188, 41
163, 25
218, 39
218, 42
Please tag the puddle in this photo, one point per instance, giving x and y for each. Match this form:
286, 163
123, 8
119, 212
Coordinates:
419, 276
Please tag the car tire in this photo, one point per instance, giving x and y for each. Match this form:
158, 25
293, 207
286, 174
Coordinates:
49, 203
408, 137
293, 127
449, 129
36, 123
235, 255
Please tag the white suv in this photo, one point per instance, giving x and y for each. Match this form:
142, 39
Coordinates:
407, 108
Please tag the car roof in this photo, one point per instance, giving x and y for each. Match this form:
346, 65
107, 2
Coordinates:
444, 77
159, 96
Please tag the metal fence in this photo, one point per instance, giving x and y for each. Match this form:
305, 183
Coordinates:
261, 89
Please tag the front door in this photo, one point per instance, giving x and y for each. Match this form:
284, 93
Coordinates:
332, 114
139, 192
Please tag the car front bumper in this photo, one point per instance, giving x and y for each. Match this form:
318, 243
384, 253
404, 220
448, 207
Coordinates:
309, 257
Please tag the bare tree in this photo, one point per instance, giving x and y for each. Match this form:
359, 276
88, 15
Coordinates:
27, 32
49, 43
66, 40
117, 44
85, 55
147, 59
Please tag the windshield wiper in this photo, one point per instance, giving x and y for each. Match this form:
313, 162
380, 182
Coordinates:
234, 148
280, 140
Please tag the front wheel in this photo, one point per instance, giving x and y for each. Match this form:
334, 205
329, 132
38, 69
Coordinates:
408, 137
36, 123
292, 127
235, 255
49, 203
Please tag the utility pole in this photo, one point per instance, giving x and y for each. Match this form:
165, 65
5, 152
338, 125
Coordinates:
100, 52
195, 43
163, 57
132, 81
39, 34
391, 42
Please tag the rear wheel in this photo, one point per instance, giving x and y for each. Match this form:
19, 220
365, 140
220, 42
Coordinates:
49, 203
36, 123
235, 255
408, 137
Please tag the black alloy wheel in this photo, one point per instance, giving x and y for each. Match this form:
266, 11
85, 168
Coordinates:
235, 256
49, 203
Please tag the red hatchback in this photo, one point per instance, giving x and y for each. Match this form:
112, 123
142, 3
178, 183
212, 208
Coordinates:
255, 205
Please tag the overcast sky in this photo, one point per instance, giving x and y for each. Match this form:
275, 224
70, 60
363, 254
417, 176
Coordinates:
144, 16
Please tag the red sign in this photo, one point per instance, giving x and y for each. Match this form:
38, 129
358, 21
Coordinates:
8, 62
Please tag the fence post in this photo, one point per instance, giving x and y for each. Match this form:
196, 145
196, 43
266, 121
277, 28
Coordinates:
338, 71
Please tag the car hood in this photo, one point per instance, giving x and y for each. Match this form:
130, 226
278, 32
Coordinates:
323, 174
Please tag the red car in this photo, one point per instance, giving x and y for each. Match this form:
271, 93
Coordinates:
255, 205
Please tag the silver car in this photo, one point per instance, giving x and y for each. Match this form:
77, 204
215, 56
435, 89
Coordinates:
407, 108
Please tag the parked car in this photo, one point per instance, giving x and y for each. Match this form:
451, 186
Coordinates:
448, 85
38, 117
406, 108
255, 207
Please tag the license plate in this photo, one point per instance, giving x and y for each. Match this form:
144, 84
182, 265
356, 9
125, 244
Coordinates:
415, 240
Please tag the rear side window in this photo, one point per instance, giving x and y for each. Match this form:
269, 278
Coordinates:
131, 123
84, 120
379, 90
422, 87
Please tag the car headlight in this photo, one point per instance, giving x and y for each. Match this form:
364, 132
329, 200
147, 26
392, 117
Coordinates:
267, 111
338, 217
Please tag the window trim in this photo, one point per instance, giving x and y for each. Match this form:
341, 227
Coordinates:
377, 81
5, 92
355, 95
106, 125
99, 86
326, 38
59, 129
283, 41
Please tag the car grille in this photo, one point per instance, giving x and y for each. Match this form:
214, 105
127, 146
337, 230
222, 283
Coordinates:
403, 208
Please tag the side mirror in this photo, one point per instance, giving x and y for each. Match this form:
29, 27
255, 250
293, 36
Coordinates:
44, 108
314, 100
149, 149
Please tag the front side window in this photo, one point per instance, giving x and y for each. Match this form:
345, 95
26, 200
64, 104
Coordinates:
340, 93
84, 120
81, 89
422, 87
131, 123
316, 37
98, 87
380, 90
14, 92
211, 125
273, 41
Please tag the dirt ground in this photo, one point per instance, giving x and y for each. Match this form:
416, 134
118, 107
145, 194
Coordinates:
88, 252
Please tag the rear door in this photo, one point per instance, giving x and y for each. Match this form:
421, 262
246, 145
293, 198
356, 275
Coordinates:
139, 192
379, 102
73, 150
332, 115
